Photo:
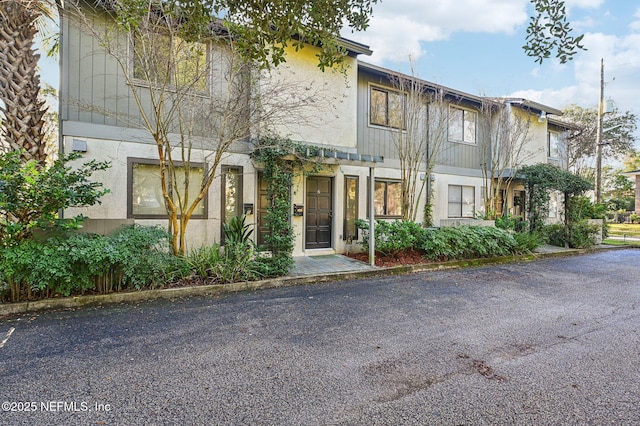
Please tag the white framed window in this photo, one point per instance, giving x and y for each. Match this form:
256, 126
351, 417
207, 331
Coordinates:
552, 144
144, 192
387, 108
462, 125
462, 201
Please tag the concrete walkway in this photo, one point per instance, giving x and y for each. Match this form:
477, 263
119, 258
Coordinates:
327, 264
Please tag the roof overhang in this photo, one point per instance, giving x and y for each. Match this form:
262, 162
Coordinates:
531, 105
446, 91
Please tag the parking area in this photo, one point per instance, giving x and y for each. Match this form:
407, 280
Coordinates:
552, 341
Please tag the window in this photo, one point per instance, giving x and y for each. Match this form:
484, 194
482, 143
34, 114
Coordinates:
145, 190
350, 230
387, 198
231, 194
462, 125
552, 145
462, 201
387, 108
164, 60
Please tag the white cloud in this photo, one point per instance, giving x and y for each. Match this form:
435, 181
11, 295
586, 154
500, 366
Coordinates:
621, 69
583, 4
398, 27
635, 25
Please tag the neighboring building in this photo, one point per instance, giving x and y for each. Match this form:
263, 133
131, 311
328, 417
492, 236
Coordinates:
355, 118
535, 135
636, 173
457, 137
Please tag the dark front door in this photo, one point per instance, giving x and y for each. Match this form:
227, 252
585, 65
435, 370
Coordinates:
319, 214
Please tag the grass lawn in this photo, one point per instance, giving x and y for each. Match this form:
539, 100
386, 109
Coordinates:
612, 242
620, 229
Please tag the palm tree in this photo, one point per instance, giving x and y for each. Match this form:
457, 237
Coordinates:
21, 106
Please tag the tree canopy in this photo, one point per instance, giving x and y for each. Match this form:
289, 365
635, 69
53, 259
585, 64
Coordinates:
261, 29
264, 28
618, 133
549, 31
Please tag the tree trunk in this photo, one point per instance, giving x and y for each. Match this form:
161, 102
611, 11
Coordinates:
23, 111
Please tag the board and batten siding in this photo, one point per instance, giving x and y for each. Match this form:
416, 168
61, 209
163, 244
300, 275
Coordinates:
95, 90
93, 87
378, 140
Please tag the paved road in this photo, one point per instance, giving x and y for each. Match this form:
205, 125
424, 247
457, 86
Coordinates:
554, 341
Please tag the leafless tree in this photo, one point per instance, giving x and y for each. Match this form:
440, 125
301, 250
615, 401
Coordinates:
506, 147
197, 99
421, 140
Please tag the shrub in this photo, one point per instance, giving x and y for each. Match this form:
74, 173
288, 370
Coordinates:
466, 242
133, 257
574, 235
447, 243
204, 260
392, 237
526, 242
512, 223
31, 195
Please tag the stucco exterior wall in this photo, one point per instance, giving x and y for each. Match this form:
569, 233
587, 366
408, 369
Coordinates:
329, 118
114, 205
535, 143
441, 193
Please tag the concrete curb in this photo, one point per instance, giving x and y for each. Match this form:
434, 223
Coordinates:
218, 289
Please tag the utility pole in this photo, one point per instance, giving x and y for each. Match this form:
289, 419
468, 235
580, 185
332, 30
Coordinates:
599, 136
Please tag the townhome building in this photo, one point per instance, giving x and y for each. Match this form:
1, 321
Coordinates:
356, 117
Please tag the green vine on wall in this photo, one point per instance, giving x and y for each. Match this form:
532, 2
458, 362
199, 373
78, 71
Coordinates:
281, 158
540, 180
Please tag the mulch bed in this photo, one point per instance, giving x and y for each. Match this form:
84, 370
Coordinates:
404, 258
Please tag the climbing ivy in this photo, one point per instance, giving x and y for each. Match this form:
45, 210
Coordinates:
281, 159
540, 180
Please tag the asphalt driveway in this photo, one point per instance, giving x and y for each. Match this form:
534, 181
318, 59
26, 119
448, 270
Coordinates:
552, 341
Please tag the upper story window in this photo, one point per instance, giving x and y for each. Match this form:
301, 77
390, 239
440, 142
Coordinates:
552, 144
387, 108
164, 60
462, 125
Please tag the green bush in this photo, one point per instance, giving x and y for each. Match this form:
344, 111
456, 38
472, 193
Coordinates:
204, 260
392, 237
528, 241
447, 243
132, 258
467, 242
31, 195
575, 235
512, 223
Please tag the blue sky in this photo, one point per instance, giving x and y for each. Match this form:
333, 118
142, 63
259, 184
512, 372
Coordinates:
476, 46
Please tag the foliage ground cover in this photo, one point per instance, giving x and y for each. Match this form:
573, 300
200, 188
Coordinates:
400, 239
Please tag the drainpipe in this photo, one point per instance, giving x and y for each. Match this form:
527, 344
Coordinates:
372, 221
61, 22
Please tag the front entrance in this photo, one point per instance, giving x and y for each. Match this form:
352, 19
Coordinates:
319, 214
